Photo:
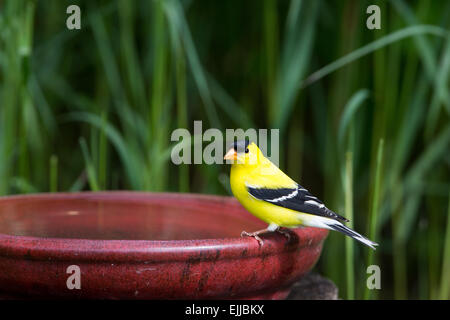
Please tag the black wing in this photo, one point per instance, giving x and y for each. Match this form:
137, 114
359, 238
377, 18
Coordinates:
298, 199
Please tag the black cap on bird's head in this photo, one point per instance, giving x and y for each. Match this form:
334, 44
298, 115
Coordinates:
240, 146
237, 147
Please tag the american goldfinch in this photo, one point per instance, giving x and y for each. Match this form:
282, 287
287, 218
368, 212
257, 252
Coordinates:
269, 194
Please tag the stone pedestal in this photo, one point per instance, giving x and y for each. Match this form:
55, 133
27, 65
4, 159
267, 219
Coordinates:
313, 287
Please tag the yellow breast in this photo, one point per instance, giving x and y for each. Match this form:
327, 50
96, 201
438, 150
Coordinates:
269, 177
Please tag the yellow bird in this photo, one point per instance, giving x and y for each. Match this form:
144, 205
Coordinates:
269, 194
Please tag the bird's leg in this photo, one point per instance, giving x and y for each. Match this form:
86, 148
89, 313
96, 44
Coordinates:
284, 233
272, 227
255, 235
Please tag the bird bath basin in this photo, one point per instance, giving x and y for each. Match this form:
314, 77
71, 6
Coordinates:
130, 245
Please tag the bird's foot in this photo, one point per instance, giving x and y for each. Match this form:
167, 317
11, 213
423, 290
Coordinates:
254, 235
284, 233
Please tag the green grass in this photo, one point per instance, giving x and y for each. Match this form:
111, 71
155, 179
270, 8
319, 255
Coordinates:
53, 173
445, 276
349, 249
363, 114
374, 210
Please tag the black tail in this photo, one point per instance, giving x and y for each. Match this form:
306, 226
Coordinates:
355, 235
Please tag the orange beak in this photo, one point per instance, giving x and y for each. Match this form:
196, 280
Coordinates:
231, 155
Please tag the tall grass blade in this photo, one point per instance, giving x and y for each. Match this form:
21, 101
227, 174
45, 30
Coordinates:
176, 17
374, 209
350, 109
425, 50
441, 92
270, 21
128, 156
92, 177
53, 173
371, 47
445, 273
349, 242
428, 159
294, 63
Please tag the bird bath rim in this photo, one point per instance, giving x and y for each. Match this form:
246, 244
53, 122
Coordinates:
305, 245
143, 246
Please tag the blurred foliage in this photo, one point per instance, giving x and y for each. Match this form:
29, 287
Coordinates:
363, 114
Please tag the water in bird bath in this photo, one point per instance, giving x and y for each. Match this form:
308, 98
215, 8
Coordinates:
121, 216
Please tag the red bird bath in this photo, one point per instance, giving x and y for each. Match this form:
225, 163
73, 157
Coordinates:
130, 245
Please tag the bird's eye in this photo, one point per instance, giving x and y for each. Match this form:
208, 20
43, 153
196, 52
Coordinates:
246, 150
